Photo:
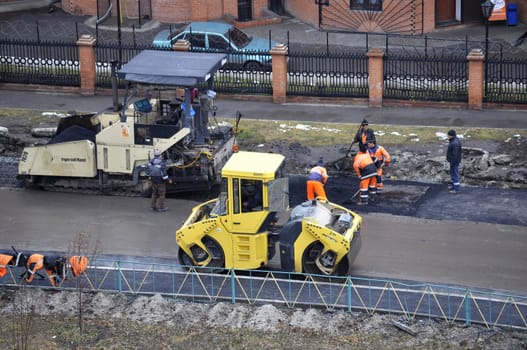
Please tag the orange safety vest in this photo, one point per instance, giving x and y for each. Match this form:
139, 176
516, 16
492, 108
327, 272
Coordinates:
78, 265
364, 166
34, 263
5, 261
380, 153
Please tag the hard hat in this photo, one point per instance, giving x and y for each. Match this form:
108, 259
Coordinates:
157, 153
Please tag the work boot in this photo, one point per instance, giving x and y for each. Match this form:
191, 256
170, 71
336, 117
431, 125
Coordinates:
162, 209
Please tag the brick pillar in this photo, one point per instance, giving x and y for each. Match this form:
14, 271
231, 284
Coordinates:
375, 76
86, 44
476, 79
181, 45
279, 78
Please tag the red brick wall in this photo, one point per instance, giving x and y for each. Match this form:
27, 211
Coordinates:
306, 11
171, 11
230, 8
168, 11
429, 15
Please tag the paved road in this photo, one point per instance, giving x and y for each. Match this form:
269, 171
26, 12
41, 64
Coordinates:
394, 247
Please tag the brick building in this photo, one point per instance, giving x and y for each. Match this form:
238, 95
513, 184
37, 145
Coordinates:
390, 16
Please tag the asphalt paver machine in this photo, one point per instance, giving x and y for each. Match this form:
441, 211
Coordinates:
168, 105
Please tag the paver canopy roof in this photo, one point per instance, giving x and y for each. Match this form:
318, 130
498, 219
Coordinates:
172, 67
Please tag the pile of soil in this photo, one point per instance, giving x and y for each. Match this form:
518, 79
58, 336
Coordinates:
136, 322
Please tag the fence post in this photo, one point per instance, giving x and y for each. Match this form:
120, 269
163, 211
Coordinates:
375, 76
279, 77
475, 79
86, 45
181, 45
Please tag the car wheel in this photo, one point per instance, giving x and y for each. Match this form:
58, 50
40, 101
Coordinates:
252, 66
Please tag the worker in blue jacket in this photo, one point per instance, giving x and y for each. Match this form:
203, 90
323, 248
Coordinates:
158, 176
453, 156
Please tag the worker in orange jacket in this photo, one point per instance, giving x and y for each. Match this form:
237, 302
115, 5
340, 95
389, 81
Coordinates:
317, 178
55, 267
5, 261
78, 265
367, 172
381, 158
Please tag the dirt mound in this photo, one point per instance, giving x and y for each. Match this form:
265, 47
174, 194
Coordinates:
169, 323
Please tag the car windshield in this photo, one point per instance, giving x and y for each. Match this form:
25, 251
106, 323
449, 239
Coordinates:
239, 38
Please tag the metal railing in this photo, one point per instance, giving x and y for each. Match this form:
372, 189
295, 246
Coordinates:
328, 74
429, 76
426, 78
106, 53
369, 295
507, 80
34, 62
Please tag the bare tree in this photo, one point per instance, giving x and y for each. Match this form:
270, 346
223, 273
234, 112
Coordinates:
82, 245
23, 302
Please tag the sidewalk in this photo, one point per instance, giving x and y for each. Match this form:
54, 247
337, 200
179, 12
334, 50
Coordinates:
290, 111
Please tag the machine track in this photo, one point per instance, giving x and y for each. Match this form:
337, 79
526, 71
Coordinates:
8, 172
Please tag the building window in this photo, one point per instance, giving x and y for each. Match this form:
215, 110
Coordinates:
366, 5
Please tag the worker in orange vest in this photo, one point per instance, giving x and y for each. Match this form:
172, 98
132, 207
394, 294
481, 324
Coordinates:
317, 178
5, 261
78, 265
54, 266
381, 158
367, 172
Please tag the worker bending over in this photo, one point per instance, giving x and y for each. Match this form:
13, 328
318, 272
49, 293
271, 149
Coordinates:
6, 260
367, 172
317, 178
55, 266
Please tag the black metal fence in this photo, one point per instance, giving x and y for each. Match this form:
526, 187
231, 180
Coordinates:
328, 75
506, 81
106, 53
431, 76
426, 78
246, 72
34, 62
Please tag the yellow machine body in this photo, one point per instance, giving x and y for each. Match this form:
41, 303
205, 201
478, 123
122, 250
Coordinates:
251, 218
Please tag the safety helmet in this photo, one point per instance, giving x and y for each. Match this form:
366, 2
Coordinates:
157, 152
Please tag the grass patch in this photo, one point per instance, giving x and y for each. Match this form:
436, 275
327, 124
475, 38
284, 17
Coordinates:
253, 131
28, 117
323, 134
